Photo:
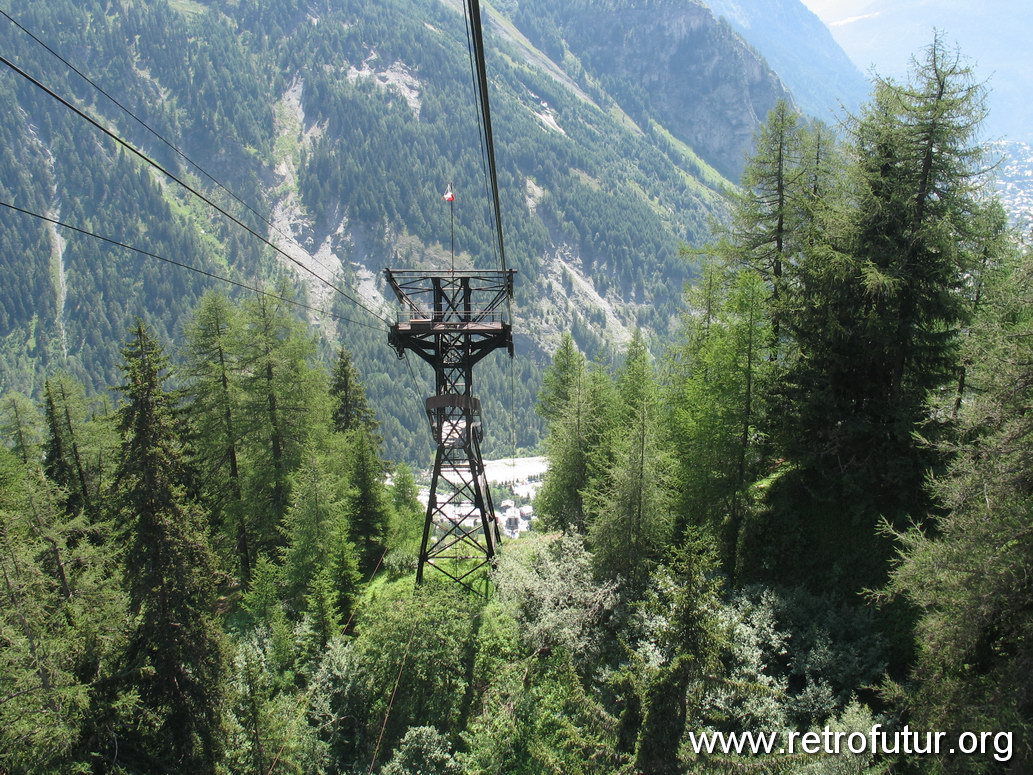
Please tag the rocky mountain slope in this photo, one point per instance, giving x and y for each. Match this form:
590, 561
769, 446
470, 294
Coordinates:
801, 49
619, 126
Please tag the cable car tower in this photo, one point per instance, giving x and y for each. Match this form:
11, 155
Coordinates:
453, 319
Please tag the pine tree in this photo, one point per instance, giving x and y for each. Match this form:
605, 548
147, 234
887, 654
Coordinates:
577, 400
685, 598
176, 646
370, 505
269, 732
351, 410
559, 382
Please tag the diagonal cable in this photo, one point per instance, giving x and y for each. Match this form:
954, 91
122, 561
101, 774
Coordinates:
172, 176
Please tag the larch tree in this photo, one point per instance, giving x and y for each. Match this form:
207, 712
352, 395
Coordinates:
63, 459
320, 566
768, 210
407, 530
212, 388
717, 412
284, 402
22, 427
577, 402
370, 509
62, 615
630, 501
875, 318
969, 573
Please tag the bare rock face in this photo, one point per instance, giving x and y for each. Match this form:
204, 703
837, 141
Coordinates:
677, 64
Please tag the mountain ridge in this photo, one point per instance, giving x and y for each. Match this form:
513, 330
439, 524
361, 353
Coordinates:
343, 126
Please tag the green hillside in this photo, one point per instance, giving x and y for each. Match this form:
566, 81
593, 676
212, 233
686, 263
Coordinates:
341, 127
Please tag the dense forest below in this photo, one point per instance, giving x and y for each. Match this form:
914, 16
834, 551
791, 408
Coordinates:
809, 513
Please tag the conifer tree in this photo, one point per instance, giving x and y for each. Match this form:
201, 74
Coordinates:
21, 426
969, 574
577, 401
269, 732
768, 210
63, 459
876, 314
213, 391
284, 405
629, 502
320, 568
176, 647
370, 505
62, 615
350, 408
559, 382
717, 418
407, 531
686, 599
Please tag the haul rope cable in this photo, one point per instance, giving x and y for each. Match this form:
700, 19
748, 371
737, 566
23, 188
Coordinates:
480, 122
475, 46
171, 145
159, 136
172, 176
482, 83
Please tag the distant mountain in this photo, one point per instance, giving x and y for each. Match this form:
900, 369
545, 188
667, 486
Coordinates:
666, 62
800, 48
994, 34
618, 128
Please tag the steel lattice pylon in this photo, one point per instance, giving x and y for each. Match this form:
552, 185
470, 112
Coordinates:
453, 319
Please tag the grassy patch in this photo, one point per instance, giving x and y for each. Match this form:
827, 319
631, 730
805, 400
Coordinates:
187, 7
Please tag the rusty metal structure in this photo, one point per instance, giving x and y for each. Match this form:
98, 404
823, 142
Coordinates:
452, 320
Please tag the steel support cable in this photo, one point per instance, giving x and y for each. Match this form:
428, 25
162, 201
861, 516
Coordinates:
476, 33
181, 265
480, 121
482, 73
172, 176
155, 132
204, 172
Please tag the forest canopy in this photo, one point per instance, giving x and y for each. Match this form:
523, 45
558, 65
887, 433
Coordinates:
809, 513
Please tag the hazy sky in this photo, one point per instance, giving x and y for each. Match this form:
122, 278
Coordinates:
993, 35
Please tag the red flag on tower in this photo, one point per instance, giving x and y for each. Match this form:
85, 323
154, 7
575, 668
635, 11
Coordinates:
448, 196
